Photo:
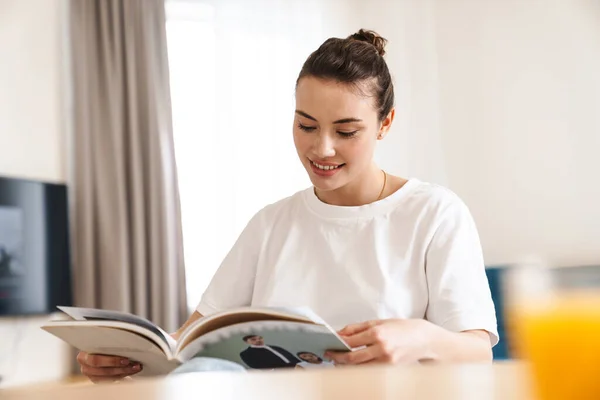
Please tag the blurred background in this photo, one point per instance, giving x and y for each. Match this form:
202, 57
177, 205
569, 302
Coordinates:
153, 130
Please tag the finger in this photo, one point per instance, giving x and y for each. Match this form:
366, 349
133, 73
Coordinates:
353, 357
353, 329
99, 360
81, 357
363, 338
109, 371
379, 355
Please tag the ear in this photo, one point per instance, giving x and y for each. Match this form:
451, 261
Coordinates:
386, 124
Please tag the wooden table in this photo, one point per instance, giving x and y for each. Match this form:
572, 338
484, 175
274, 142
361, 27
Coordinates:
499, 381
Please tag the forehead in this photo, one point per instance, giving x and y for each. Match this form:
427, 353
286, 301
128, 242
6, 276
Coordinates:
328, 100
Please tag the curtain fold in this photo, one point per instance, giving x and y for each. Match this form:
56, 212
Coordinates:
127, 242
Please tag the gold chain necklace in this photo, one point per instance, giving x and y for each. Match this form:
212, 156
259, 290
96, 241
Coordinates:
383, 187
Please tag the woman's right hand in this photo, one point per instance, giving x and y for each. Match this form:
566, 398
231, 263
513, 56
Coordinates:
102, 368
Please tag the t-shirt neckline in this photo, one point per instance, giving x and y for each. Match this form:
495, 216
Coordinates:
380, 207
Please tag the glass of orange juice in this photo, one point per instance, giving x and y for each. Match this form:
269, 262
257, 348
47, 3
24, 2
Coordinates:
553, 317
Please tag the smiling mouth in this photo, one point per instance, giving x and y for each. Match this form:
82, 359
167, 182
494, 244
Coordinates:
326, 167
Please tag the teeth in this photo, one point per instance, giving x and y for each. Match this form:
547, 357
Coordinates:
325, 167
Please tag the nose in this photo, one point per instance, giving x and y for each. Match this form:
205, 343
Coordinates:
324, 146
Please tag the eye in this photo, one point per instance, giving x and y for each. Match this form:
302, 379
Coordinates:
306, 128
347, 134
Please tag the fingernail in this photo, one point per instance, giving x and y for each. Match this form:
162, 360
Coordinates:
124, 362
136, 367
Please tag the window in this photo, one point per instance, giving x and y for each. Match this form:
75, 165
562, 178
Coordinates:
233, 67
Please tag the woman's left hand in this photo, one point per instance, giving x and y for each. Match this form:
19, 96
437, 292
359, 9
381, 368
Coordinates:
389, 341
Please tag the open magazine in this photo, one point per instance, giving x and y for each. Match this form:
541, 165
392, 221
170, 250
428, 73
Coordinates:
255, 338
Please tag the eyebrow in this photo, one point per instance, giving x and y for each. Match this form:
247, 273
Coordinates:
339, 121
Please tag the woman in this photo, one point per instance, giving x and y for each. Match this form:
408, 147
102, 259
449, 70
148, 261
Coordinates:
394, 263
311, 360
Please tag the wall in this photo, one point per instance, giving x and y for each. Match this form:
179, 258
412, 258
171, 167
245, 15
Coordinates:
32, 145
413, 146
500, 100
519, 110
31, 131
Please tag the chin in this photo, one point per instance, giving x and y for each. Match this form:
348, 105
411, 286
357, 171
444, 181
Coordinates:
324, 186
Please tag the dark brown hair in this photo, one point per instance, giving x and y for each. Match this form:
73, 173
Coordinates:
356, 60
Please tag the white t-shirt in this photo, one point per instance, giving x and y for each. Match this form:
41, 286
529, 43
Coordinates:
413, 254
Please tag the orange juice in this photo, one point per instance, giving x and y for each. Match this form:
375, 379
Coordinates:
561, 342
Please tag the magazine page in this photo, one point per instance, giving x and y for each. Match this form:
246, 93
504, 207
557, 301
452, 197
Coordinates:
93, 314
267, 345
245, 314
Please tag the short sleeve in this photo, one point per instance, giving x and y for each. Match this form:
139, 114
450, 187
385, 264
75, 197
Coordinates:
233, 282
459, 293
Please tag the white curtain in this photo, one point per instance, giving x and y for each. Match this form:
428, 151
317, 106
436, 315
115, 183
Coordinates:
234, 65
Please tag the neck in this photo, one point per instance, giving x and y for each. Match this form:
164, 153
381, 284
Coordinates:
363, 190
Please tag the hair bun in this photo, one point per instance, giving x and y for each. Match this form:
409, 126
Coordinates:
371, 37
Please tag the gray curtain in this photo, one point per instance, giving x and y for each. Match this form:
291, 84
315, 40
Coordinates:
127, 237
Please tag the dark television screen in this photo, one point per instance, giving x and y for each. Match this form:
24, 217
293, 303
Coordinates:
35, 267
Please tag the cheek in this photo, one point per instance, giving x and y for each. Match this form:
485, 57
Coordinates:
356, 151
302, 142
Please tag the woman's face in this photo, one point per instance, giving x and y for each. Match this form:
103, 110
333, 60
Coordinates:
335, 131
